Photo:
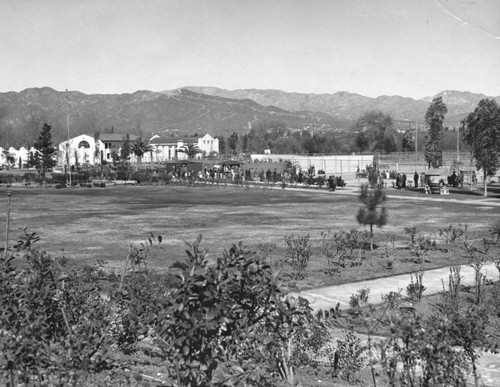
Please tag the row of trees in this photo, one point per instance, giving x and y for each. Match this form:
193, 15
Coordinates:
374, 131
44, 158
480, 130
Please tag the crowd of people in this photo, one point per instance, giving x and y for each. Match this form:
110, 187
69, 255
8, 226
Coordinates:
400, 179
239, 175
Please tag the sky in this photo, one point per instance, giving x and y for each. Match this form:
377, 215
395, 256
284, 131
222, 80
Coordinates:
412, 48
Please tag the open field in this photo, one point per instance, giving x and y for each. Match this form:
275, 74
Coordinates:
90, 224
99, 223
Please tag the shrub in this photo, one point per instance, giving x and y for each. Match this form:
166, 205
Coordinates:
221, 313
59, 178
350, 356
415, 289
419, 244
358, 301
427, 344
451, 233
338, 248
299, 252
53, 318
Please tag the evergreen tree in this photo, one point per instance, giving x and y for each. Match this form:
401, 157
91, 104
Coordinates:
434, 118
233, 141
222, 145
244, 143
97, 155
45, 158
482, 133
126, 149
372, 213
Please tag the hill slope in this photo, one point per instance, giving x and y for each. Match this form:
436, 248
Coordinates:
198, 110
349, 106
144, 112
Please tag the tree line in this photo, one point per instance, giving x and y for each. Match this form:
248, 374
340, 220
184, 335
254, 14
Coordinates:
374, 131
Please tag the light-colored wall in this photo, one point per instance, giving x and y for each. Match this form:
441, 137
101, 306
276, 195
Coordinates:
338, 164
207, 144
83, 155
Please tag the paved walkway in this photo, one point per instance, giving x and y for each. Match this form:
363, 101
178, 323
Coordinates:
328, 296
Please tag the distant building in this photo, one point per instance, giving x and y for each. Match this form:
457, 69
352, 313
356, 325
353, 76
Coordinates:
15, 157
167, 148
84, 149
78, 150
208, 145
108, 142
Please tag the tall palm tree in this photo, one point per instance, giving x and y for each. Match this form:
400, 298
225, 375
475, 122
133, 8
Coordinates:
191, 150
140, 147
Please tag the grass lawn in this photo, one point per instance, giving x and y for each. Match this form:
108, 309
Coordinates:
87, 225
100, 223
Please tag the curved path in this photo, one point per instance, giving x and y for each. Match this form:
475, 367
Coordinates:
329, 296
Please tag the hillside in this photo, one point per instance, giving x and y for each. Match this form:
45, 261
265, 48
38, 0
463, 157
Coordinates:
143, 112
349, 106
198, 110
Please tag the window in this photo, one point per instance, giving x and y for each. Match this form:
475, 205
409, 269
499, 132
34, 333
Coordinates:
84, 144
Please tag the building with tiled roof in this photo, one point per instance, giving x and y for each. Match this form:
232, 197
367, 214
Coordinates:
167, 148
85, 149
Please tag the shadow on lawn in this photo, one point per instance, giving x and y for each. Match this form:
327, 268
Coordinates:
493, 191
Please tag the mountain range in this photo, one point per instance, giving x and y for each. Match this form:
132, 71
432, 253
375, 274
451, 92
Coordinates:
349, 106
199, 110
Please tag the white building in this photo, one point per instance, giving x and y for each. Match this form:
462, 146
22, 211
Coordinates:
208, 145
84, 149
15, 157
168, 148
78, 150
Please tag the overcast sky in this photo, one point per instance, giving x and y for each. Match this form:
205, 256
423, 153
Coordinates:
413, 48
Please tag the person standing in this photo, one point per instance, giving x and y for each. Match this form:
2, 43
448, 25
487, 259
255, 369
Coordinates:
398, 181
415, 179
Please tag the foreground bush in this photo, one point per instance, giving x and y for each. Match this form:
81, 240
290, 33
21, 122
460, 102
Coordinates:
53, 322
215, 323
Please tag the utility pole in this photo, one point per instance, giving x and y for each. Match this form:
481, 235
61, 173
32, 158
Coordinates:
416, 144
67, 145
458, 143
6, 249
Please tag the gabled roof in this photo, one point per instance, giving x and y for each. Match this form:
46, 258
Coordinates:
117, 137
79, 137
173, 140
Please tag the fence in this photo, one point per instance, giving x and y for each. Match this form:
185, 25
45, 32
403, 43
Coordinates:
334, 164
